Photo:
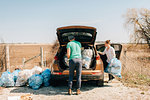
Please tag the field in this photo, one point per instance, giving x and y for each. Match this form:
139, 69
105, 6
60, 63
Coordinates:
135, 83
135, 59
136, 65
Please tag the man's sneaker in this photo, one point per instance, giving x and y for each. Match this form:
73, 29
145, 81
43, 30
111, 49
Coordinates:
69, 91
78, 91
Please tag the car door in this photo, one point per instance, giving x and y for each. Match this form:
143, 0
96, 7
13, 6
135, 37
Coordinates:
117, 47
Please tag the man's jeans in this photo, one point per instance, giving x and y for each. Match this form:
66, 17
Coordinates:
75, 64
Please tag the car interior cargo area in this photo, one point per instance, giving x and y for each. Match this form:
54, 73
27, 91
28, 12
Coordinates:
87, 53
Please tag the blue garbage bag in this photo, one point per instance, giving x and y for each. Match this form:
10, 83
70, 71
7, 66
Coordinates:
7, 79
46, 77
114, 67
35, 81
15, 74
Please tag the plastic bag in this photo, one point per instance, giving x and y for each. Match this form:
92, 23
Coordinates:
87, 58
115, 62
46, 77
114, 67
15, 74
86, 61
36, 70
87, 53
23, 77
66, 60
35, 81
7, 79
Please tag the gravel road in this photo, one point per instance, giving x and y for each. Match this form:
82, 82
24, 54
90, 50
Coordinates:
111, 91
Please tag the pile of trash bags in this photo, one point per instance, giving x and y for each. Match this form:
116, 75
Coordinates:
114, 67
24, 75
35, 78
87, 55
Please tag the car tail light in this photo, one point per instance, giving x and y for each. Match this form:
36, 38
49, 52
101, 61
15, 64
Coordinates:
98, 57
57, 73
95, 73
56, 58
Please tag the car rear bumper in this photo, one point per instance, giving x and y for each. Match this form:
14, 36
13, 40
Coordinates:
100, 76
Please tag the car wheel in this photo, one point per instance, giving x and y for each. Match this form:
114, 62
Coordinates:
100, 83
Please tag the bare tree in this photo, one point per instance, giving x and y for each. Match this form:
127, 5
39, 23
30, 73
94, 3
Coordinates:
138, 22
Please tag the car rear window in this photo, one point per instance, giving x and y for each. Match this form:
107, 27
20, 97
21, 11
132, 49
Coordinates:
81, 35
116, 47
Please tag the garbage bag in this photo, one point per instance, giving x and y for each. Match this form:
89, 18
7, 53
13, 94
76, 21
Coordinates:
87, 55
15, 74
23, 77
114, 67
7, 79
115, 62
35, 81
66, 60
86, 61
46, 77
36, 70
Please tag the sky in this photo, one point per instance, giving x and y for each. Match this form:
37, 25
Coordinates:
36, 21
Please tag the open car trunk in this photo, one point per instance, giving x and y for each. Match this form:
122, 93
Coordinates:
86, 35
64, 62
83, 34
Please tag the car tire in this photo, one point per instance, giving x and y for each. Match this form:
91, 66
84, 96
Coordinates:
100, 83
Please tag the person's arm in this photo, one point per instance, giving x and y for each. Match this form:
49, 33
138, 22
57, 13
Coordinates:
68, 53
68, 50
103, 53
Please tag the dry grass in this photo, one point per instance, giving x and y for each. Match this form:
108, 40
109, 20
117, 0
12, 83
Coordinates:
135, 66
54, 49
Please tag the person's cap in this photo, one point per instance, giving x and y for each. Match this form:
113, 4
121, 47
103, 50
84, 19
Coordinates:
71, 37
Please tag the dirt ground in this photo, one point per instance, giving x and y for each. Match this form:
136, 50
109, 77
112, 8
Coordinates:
110, 91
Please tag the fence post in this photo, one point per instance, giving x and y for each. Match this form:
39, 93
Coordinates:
23, 62
44, 58
41, 56
7, 57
